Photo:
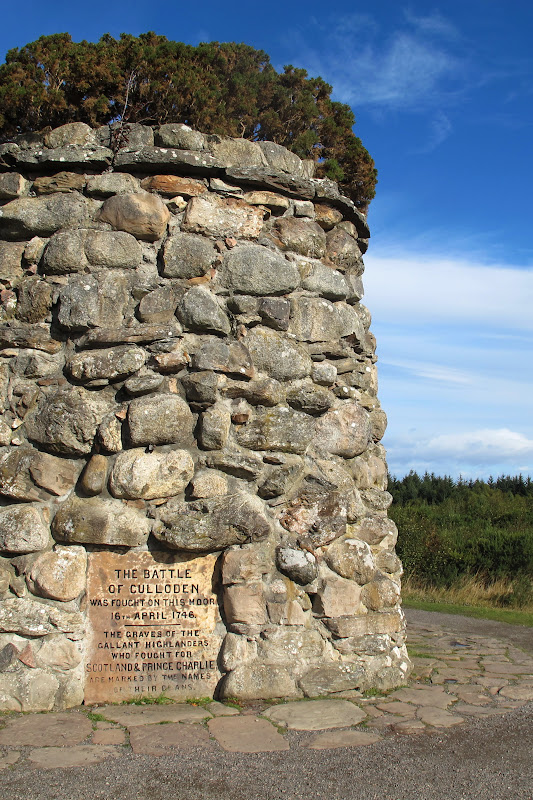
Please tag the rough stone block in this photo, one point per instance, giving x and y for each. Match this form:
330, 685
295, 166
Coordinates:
219, 217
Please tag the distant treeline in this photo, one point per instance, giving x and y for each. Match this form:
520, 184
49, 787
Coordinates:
450, 530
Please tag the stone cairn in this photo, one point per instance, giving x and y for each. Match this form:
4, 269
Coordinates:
186, 366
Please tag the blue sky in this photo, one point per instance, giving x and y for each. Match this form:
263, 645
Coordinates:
442, 94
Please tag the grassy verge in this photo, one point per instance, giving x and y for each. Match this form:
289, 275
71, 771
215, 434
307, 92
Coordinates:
498, 614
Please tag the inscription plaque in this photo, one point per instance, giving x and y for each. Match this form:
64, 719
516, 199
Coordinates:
152, 627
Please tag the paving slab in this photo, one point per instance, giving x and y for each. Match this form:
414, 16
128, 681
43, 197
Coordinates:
409, 726
9, 758
246, 735
438, 717
159, 740
397, 707
335, 739
131, 715
109, 736
316, 715
472, 697
517, 692
221, 710
508, 669
424, 696
53, 730
82, 755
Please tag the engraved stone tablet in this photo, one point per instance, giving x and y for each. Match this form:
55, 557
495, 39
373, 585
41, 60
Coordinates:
152, 627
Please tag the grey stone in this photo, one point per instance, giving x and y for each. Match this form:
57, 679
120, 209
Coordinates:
326, 216
109, 434
266, 392
199, 310
279, 158
318, 277
201, 387
42, 216
336, 596
113, 363
11, 262
343, 431
186, 255
76, 756
373, 529
236, 152
65, 421
314, 319
28, 617
253, 269
215, 427
383, 622
176, 134
160, 419
22, 530
35, 337
305, 396
275, 312
324, 373
130, 136
275, 202
137, 474
250, 681
27, 691
378, 423
299, 565
59, 574
332, 678
237, 462
220, 217
208, 483
278, 356
232, 358
142, 214
343, 251
279, 428
34, 300
388, 561
73, 133
33, 364
316, 715
111, 183
15, 477
94, 476
158, 305
351, 558
112, 249
380, 593
211, 524
143, 384
301, 235
140, 334
164, 159
86, 157
56, 475
246, 604
97, 521
13, 185
280, 478
65, 252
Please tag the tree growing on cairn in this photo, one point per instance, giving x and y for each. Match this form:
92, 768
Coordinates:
224, 88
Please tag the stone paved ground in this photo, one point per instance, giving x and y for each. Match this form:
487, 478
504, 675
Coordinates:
456, 677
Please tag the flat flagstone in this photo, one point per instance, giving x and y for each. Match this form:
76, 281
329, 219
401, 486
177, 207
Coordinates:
221, 710
508, 669
409, 726
472, 697
82, 755
424, 696
9, 758
109, 736
438, 717
517, 692
349, 738
477, 711
316, 715
132, 715
160, 740
54, 729
246, 734
397, 707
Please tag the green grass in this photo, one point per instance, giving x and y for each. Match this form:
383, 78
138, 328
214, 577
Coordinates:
149, 700
500, 615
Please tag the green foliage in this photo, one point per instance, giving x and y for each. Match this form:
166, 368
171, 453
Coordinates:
448, 530
223, 88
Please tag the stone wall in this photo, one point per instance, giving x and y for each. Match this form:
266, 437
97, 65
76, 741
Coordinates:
186, 367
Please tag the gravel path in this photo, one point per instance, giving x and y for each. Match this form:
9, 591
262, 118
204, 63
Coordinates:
485, 757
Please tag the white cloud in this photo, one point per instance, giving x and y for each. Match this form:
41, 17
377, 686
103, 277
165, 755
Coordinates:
482, 446
420, 289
